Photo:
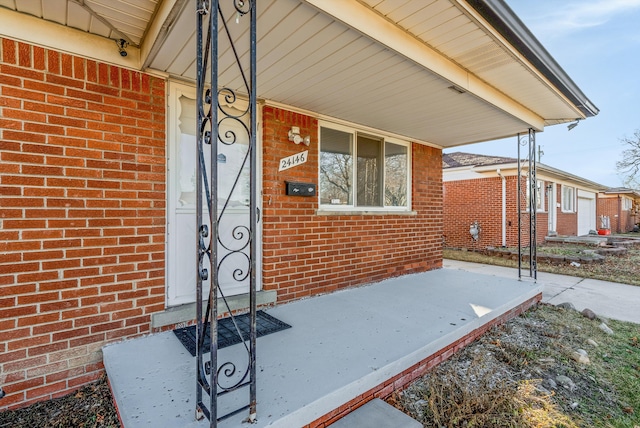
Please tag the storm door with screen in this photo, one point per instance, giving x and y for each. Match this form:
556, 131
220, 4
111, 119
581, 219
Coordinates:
233, 198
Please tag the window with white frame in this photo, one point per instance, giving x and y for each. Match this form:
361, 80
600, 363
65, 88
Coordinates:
362, 170
539, 195
626, 204
568, 199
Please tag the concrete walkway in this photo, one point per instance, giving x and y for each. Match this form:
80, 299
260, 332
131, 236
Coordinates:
341, 347
609, 299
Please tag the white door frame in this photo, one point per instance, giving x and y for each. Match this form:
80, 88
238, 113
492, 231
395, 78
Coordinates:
174, 294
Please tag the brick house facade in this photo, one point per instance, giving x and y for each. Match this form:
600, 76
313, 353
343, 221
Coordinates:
83, 192
622, 207
326, 252
477, 188
88, 149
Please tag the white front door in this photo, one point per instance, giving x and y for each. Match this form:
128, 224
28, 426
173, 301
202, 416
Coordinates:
233, 202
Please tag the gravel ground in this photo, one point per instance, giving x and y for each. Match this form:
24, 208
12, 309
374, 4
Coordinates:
89, 407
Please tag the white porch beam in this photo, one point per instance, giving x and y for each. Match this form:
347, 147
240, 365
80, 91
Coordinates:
374, 26
29, 29
159, 28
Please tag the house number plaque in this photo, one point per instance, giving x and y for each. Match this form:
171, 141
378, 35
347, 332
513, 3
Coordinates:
293, 160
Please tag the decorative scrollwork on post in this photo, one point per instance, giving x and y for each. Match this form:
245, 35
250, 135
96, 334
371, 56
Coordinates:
224, 119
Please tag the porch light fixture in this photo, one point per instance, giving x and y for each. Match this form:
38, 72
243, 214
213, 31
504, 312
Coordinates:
122, 45
294, 135
573, 125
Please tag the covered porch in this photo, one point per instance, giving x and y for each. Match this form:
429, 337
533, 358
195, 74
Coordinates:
343, 350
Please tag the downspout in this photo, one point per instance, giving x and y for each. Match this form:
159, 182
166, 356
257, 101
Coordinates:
619, 222
504, 208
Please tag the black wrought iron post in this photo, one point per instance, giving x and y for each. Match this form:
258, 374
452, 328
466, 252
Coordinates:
532, 203
225, 116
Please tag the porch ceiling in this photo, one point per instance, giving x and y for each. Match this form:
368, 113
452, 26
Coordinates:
384, 64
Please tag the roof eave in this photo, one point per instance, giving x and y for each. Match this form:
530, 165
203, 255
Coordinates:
542, 168
506, 22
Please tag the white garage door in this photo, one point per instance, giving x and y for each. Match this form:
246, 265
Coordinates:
586, 212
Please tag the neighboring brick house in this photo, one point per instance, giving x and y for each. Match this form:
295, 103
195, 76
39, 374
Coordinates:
483, 189
96, 159
622, 206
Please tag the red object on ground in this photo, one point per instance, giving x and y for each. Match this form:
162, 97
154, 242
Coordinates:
604, 232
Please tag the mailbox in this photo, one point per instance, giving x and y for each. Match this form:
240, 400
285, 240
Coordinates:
300, 189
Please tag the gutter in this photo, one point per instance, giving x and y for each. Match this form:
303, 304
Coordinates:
502, 18
540, 167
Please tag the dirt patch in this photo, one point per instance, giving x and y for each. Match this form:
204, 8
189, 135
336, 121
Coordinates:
89, 407
526, 373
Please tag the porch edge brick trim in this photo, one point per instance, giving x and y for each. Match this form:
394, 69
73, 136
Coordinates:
403, 379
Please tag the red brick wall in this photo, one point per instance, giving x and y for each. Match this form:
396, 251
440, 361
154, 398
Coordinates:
307, 254
467, 201
82, 200
566, 223
621, 221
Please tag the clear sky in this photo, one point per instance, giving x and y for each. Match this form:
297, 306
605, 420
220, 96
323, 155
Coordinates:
597, 43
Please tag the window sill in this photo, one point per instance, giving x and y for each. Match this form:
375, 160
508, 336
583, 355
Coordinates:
365, 212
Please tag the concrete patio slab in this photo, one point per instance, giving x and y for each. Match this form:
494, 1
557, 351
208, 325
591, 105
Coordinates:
341, 347
377, 413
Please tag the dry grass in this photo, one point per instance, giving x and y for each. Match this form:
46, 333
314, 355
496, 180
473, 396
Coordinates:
624, 269
503, 379
479, 395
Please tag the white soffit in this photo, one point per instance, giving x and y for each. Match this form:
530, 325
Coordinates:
454, 30
384, 64
315, 62
113, 19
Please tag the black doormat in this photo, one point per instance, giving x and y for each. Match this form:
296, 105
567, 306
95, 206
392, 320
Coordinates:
227, 334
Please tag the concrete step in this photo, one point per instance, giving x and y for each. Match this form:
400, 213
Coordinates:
379, 414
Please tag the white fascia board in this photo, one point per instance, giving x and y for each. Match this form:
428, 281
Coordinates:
36, 31
471, 12
571, 178
461, 174
361, 18
545, 172
158, 29
503, 167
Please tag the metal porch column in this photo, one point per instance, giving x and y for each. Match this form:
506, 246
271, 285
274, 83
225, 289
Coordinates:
233, 378
528, 140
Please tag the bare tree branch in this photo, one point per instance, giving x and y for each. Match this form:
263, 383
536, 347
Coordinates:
629, 165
